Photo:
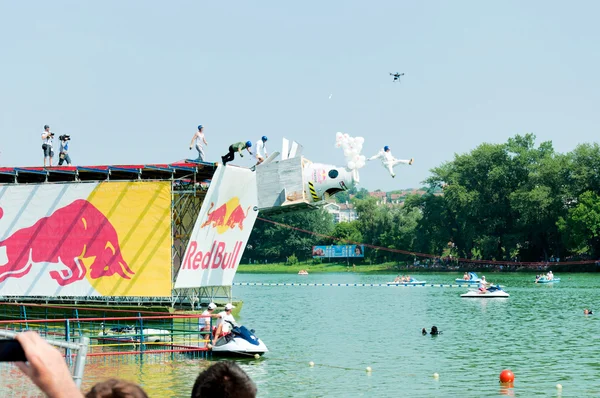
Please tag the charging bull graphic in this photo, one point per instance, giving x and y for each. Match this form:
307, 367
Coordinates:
227, 216
77, 236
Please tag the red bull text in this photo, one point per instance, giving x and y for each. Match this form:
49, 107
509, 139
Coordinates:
74, 235
217, 257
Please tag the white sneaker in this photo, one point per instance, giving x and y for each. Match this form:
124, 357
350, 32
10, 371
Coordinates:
393, 175
410, 162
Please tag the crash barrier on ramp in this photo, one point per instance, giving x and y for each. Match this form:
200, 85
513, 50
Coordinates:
174, 336
16, 384
352, 284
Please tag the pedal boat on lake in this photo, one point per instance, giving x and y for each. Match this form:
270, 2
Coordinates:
473, 279
411, 282
543, 279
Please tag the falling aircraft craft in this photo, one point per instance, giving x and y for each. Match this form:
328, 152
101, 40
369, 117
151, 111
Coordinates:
294, 183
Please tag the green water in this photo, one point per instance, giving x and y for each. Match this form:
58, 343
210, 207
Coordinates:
540, 333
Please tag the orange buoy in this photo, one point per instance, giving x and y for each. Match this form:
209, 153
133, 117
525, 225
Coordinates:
507, 376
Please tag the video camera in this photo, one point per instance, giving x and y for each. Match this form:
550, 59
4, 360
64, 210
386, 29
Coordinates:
65, 137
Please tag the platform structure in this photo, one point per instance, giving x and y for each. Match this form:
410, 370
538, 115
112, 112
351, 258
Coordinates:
189, 180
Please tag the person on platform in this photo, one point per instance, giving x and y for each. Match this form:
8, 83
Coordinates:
199, 139
261, 150
204, 322
389, 161
237, 147
63, 154
225, 323
47, 137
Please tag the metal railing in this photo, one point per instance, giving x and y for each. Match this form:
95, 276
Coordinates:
15, 383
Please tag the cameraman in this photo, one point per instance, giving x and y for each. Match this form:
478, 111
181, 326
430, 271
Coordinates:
63, 155
47, 137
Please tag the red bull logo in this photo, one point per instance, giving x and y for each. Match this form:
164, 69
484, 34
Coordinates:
227, 216
78, 236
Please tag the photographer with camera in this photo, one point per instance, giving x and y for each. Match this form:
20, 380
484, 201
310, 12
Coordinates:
47, 137
63, 155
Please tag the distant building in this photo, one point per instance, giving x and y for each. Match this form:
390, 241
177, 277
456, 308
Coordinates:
342, 212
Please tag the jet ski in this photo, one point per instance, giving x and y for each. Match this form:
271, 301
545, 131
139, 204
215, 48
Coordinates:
491, 292
239, 342
473, 279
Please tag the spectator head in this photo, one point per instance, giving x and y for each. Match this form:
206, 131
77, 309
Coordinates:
224, 379
212, 306
114, 388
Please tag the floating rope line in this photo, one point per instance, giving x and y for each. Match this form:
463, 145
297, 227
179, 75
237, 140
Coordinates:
352, 284
417, 254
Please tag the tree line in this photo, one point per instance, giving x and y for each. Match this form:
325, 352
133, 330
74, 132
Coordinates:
513, 201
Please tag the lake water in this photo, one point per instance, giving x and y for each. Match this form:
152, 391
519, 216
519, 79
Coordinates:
540, 333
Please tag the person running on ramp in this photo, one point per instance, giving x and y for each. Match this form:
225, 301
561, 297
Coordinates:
237, 147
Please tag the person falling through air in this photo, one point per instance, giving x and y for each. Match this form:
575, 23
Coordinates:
389, 161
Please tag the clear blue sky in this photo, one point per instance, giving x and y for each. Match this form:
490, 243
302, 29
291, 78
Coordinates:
131, 80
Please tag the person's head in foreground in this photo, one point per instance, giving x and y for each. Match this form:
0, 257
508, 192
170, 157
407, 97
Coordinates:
114, 388
222, 380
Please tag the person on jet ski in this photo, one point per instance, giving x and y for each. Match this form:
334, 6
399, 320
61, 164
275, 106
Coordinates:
225, 322
483, 285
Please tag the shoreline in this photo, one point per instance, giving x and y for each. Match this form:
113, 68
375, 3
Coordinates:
391, 268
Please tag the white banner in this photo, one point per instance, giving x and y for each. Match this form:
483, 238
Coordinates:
221, 231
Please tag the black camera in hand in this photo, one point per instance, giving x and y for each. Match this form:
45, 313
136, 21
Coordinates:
65, 137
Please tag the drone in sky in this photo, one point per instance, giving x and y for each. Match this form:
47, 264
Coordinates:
396, 76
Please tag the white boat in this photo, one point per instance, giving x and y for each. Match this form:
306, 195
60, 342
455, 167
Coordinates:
491, 292
133, 335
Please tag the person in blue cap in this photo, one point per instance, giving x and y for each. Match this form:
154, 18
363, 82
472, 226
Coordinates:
261, 150
199, 138
237, 147
389, 161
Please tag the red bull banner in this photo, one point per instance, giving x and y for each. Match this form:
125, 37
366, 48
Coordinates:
221, 231
86, 239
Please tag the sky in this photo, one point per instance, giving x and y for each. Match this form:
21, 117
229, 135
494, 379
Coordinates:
131, 80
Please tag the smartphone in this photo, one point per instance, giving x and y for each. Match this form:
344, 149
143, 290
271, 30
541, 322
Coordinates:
11, 351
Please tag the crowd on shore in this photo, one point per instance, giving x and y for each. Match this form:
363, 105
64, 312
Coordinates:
47, 368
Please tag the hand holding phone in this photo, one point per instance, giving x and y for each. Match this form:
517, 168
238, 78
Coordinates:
11, 351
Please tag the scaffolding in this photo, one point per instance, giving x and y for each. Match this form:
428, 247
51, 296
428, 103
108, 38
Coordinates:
190, 181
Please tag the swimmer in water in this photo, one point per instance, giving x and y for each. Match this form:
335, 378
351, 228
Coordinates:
434, 331
423, 332
587, 312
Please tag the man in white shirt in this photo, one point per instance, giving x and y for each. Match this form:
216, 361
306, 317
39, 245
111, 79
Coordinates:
47, 137
204, 322
199, 138
223, 325
388, 161
261, 150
